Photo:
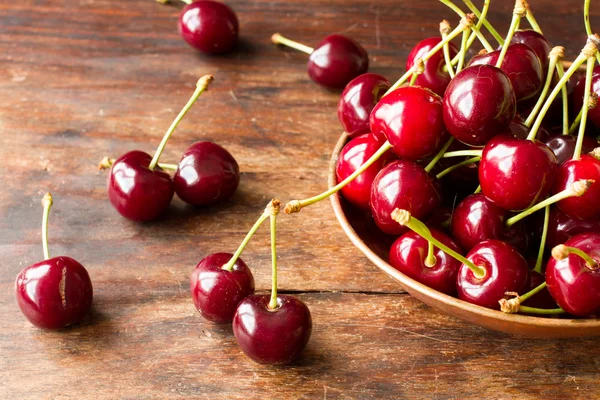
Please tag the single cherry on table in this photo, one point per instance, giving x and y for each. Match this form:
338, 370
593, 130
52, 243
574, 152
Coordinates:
209, 26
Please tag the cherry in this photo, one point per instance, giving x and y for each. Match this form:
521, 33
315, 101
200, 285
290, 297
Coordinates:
56, 292
505, 270
408, 255
402, 184
217, 291
516, 173
433, 77
594, 113
206, 174
354, 155
441, 219
334, 62
586, 206
573, 274
562, 227
209, 26
522, 66
358, 100
537, 42
563, 146
411, 119
479, 103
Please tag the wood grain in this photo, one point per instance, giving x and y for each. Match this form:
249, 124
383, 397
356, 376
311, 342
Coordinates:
88, 78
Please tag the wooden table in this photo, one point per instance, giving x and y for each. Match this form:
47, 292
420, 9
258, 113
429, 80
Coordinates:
84, 79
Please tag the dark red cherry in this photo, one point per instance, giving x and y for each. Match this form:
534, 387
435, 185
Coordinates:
515, 173
410, 118
408, 255
405, 185
518, 129
358, 100
572, 283
505, 271
434, 77
522, 66
537, 42
594, 113
479, 104
272, 336
206, 174
216, 291
336, 61
542, 299
137, 192
561, 227
476, 219
440, 219
563, 146
54, 293
209, 26
586, 206
352, 157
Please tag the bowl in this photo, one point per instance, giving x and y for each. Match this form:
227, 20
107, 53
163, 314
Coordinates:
363, 233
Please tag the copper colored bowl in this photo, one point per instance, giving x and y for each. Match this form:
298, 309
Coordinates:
362, 232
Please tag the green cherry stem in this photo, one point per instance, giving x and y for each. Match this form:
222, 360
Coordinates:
540, 256
518, 12
561, 252
404, 218
439, 155
556, 55
531, 19
472, 35
430, 260
586, 20
476, 31
463, 51
47, 204
541, 311
591, 105
418, 71
201, 87
273, 209
560, 71
106, 163
276, 38
513, 305
577, 188
585, 108
454, 167
461, 153
481, 16
445, 29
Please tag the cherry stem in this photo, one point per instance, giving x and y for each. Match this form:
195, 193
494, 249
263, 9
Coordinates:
263, 217
586, 20
418, 71
513, 305
577, 188
106, 163
531, 19
278, 39
461, 153
541, 311
591, 105
439, 155
474, 28
555, 57
485, 22
472, 35
457, 166
273, 209
430, 260
201, 87
585, 108
560, 70
561, 252
404, 218
47, 204
445, 29
295, 206
518, 12
540, 256
463, 50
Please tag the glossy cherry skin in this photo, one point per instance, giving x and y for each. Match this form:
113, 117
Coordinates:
479, 104
353, 156
537, 42
336, 61
408, 255
272, 337
433, 77
561, 227
515, 174
411, 119
506, 271
574, 285
522, 66
594, 113
135, 191
358, 100
543, 298
405, 185
206, 174
209, 26
586, 206
563, 146
54, 293
217, 292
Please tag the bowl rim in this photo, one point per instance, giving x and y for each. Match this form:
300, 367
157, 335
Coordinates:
410, 284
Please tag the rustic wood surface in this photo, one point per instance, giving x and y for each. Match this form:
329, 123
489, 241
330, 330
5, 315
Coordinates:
84, 79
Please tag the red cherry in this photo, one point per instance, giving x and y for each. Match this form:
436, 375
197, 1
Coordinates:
137, 192
586, 206
405, 185
561, 227
54, 293
537, 42
563, 146
352, 156
573, 283
408, 255
209, 26
479, 104
358, 100
410, 118
434, 77
505, 271
206, 174
594, 113
216, 291
272, 336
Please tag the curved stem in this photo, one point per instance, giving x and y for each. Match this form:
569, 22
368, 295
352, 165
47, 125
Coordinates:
201, 87
585, 108
576, 122
276, 38
485, 22
540, 102
461, 153
46, 203
457, 166
480, 22
463, 50
531, 19
560, 70
541, 311
430, 260
273, 216
475, 30
533, 292
561, 252
518, 12
540, 256
586, 20
439, 155
444, 31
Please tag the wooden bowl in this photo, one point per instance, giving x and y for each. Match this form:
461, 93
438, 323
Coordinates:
362, 232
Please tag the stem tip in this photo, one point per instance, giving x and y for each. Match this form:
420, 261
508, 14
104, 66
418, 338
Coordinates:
581, 186
47, 200
105, 163
401, 216
292, 207
560, 252
205, 81
274, 206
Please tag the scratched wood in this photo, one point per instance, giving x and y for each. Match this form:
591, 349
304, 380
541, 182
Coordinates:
84, 79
